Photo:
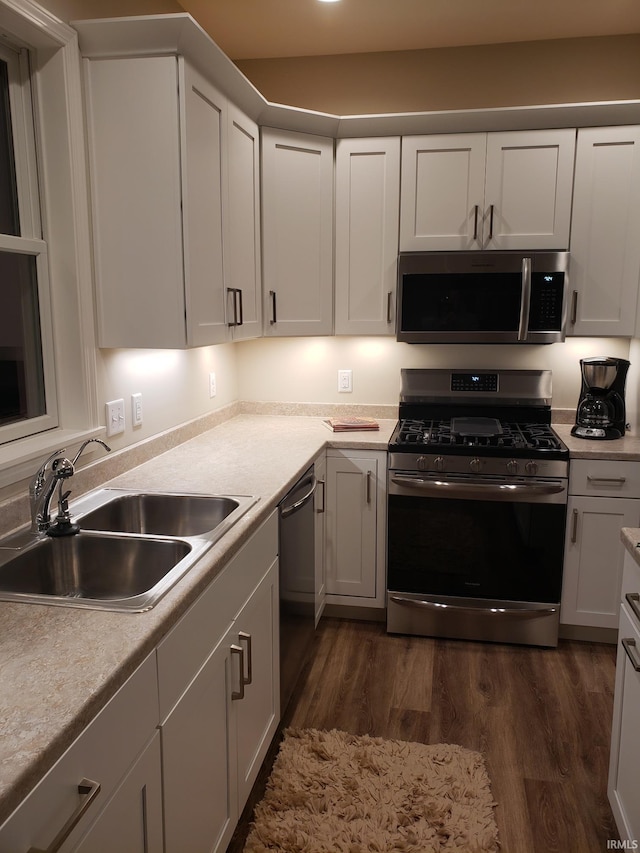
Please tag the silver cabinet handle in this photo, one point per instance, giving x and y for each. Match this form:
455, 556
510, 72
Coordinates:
274, 316
475, 221
629, 645
574, 307
246, 638
491, 209
633, 600
239, 651
615, 480
574, 527
369, 476
87, 791
236, 294
241, 311
389, 304
322, 505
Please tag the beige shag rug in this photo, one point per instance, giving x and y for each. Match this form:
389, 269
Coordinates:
332, 792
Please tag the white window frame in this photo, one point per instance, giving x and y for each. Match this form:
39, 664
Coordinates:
63, 248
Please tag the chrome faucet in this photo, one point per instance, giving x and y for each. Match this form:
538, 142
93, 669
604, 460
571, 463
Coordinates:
50, 474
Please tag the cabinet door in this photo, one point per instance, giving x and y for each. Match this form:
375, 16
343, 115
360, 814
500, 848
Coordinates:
593, 559
528, 184
442, 192
351, 546
132, 819
242, 235
297, 228
623, 789
367, 214
605, 249
198, 761
134, 150
203, 165
256, 631
319, 506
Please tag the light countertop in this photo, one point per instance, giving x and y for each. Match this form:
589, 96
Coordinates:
59, 666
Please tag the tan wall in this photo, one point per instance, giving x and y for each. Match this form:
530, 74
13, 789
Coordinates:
549, 72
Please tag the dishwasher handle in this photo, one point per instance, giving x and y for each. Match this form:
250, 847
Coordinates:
286, 511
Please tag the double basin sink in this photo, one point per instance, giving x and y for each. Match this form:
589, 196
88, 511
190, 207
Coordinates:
131, 549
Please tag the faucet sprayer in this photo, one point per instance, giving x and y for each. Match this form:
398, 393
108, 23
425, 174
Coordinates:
52, 473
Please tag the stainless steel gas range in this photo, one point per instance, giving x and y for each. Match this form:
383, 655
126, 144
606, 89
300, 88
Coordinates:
477, 498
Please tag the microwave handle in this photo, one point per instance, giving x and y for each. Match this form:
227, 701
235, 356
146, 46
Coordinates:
525, 299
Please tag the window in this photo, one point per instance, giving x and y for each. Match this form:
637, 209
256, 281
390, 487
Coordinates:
50, 374
27, 381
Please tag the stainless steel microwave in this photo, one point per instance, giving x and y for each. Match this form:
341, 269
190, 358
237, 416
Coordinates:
482, 297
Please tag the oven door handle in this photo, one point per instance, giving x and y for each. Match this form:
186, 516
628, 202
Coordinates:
452, 487
496, 612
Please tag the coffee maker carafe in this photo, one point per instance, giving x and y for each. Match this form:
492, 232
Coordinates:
601, 410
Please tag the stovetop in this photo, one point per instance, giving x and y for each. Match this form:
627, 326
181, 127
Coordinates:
501, 413
491, 437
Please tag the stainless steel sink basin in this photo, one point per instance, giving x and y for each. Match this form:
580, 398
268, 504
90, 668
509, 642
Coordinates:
132, 548
89, 569
161, 514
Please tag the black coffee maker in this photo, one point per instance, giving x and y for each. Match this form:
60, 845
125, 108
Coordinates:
601, 410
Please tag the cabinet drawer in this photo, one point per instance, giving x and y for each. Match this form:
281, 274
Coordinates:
185, 649
102, 753
604, 477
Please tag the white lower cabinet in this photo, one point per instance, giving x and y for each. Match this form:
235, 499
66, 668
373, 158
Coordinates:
604, 496
119, 752
355, 527
623, 789
218, 674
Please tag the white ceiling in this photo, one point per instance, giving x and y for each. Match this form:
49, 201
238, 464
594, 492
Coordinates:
251, 29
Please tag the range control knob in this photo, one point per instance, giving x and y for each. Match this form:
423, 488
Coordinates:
422, 463
531, 467
476, 465
439, 463
512, 466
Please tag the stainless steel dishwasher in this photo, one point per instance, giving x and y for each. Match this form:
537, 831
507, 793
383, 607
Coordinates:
297, 581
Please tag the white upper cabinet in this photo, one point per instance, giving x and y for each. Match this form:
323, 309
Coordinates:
442, 192
605, 232
203, 140
297, 233
487, 191
242, 258
367, 215
174, 179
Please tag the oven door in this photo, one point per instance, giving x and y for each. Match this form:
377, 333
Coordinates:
475, 557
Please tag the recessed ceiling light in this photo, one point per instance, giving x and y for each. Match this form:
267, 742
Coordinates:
329, 1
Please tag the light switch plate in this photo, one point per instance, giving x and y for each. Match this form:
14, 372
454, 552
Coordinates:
114, 414
345, 381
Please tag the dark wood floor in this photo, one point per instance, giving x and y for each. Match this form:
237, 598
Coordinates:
541, 718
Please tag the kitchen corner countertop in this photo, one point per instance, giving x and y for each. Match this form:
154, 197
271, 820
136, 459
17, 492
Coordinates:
60, 665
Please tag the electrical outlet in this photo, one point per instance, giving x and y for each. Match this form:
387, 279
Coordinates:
212, 385
114, 414
136, 409
345, 381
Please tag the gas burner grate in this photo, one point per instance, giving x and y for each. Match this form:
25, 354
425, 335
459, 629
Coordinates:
439, 434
